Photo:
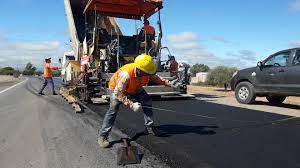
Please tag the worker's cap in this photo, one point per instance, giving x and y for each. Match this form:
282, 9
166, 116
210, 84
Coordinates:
48, 58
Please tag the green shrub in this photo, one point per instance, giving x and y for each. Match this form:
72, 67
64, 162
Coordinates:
7, 71
220, 75
199, 68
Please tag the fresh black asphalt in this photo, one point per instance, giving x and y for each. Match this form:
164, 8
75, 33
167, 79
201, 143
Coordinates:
197, 133
232, 137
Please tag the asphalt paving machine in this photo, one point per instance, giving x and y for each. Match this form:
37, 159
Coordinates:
100, 47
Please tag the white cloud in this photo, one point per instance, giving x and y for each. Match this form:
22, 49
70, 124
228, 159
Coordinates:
243, 55
295, 44
18, 54
40, 46
295, 6
242, 58
183, 37
220, 39
187, 46
2, 60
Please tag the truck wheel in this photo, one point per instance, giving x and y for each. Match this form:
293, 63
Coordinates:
276, 99
244, 93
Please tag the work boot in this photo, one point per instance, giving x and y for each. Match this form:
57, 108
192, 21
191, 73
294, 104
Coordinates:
103, 141
54, 93
152, 130
40, 93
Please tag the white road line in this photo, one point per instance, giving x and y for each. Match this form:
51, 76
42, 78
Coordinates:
2, 91
224, 119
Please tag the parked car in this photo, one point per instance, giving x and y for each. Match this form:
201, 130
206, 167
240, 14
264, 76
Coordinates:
275, 78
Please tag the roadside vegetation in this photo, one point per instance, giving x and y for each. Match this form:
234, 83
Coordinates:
29, 70
198, 68
220, 75
8, 71
217, 76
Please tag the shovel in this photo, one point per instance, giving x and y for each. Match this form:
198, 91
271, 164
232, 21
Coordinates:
127, 154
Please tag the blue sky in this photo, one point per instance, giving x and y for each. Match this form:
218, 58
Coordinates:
215, 32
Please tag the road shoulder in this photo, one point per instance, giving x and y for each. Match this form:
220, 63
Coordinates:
9, 81
220, 96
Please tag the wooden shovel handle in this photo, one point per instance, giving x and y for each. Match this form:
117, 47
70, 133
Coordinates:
125, 142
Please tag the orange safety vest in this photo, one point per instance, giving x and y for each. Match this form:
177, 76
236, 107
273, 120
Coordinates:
149, 30
47, 71
135, 83
174, 68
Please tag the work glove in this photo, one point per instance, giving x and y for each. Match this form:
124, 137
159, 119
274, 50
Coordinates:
136, 107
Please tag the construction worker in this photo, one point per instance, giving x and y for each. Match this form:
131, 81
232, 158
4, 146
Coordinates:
183, 73
48, 76
147, 31
126, 87
173, 65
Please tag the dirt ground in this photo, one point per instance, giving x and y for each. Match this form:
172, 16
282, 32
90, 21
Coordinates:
220, 92
6, 78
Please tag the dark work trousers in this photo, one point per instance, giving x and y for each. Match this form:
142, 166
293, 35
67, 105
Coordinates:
46, 80
111, 114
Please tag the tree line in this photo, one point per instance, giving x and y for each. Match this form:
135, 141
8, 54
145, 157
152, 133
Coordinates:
216, 76
29, 70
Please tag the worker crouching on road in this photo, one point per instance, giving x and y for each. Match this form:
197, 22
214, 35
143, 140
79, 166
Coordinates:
48, 76
126, 86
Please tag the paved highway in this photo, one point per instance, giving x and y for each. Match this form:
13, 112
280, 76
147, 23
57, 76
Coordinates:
43, 131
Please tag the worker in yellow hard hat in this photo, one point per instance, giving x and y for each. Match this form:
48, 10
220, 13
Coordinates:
126, 86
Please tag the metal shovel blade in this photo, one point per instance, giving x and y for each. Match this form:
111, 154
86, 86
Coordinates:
127, 154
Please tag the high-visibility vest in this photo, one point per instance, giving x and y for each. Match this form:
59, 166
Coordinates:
135, 83
47, 71
174, 68
149, 30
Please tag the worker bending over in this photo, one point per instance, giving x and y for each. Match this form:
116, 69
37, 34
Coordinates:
48, 76
126, 86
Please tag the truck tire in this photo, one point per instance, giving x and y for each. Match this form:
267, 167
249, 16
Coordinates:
244, 93
276, 99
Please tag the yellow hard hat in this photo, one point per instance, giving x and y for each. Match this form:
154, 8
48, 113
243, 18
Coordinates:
145, 63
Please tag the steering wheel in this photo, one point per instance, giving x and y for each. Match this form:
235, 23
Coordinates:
276, 64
